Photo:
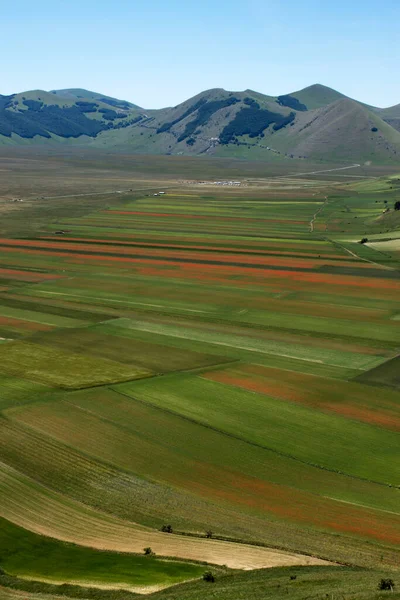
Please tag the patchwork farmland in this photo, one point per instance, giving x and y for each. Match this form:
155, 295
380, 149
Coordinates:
220, 360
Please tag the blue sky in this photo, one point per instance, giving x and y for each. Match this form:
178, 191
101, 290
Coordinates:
158, 53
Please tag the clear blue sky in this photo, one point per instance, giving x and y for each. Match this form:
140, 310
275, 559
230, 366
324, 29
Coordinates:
160, 52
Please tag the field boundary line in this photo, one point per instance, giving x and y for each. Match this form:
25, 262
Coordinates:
381, 266
250, 443
104, 193
294, 175
315, 215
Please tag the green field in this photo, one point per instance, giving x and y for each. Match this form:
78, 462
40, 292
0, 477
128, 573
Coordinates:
217, 359
40, 558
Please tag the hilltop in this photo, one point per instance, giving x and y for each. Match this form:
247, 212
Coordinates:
79, 94
316, 123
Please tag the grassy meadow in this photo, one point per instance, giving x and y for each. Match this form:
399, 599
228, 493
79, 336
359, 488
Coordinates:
220, 359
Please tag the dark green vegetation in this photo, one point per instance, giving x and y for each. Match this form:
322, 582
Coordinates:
216, 358
43, 115
291, 102
316, 123
386, 374
293, 582
26, 554
253, 122
76, 93
296, 583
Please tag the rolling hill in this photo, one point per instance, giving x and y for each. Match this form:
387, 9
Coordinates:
79, 94
317, 123
37, 116
317, 96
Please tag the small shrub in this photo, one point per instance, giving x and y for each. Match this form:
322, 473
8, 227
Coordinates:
293, 577
167, 529
364, 240
397, 205
386, 584
291, 102
208, 576
251, 102
148, 551
209, 534
374, 129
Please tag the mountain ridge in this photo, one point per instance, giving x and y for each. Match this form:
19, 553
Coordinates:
317, 122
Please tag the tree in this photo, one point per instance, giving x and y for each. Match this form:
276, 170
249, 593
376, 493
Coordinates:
148, 551
386, 584
167, 529
209, 534
208, 576
364, 240
397, 205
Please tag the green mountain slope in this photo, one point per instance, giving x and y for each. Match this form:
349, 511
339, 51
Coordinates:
342, 130
38, 115
317, 96
79, 94
391, 115
317, 122
246, 124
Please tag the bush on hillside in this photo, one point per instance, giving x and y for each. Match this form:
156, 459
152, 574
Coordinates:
87, 107
33, 104
386, 584
116, 103
285, 121
208, 576
167, 529
110, 114
291, 102
363, 240
397, 205
251, 102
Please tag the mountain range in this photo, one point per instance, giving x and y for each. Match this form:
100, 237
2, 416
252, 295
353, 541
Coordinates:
317, 123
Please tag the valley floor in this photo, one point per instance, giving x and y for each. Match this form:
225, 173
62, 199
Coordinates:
217, 361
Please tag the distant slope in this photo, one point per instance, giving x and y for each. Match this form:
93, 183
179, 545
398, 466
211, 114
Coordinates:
204, 122
393, 112
342, 130
391, 115
316, 122
38, 116
317, 96
79, 94
246, 124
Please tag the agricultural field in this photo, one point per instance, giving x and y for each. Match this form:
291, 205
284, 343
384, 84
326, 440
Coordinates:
223, 360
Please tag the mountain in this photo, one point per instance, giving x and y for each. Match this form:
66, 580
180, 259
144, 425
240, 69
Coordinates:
341, 130
316, 122
36, 116
391, 115
251, 125
317, 96
79, 94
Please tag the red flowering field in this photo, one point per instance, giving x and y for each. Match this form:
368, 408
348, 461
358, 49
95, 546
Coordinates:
212, 358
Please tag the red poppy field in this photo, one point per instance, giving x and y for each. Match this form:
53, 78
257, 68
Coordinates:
207, 359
